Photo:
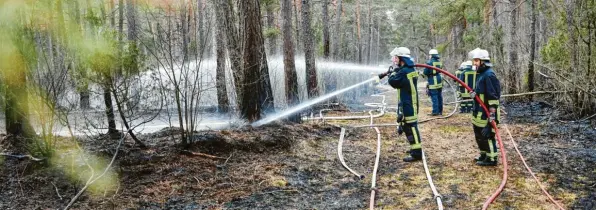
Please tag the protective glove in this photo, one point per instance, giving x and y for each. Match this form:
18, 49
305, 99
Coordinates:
473, 95
389, 71
492, 115
400, 117
487, 131
427, 91
400, 130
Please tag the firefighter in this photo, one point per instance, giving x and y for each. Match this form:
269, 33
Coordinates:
459, 86
468, 76
435, 82
457, 74
488, 89
404, 78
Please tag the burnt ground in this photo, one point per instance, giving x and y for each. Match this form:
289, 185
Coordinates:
561, 150
290, 166
272, 167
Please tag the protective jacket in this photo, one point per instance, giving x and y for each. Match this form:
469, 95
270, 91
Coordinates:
468, 76
405, 80
488, 88
458, 73
435, 81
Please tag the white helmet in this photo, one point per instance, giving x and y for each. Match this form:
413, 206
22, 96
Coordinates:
400, 52
471, 53
433, 52
479, 54
463, 65
469, 63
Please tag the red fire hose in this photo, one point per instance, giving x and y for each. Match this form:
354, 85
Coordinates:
503, 156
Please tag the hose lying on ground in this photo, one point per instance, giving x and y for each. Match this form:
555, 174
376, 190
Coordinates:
436, 194
494, 126
432, 185
341, 155
503, 152
355, 117
420, 121
530, 170
374, 176
343, 131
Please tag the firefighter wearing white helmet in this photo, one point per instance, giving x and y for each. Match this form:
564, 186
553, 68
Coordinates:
488, 89
400, 52
435, 82
404, 78
468, 76
457, 74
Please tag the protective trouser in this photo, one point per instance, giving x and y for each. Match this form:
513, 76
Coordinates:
487, 146
413, 136
436, 96
466, 107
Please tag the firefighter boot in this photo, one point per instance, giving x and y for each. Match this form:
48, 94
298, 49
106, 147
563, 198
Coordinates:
480, 157
415, 155
487, 162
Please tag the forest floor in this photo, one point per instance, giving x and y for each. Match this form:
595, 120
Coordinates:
292, 166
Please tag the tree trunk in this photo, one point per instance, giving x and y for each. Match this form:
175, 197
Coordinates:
514, 71
185, 32
591, 26
569, 8
498, 38
200, 29
256, 97
331, 80
107, 95
267, 95
326, 41
131, 17
358, 33
543, 34
124, 121
289, 63
107, 99
309, 51
379, 40
271, 25
370, 33
225, 17
573, 43
297, 23
120, 35
84, 97
337, 32
532, 49
223, 103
